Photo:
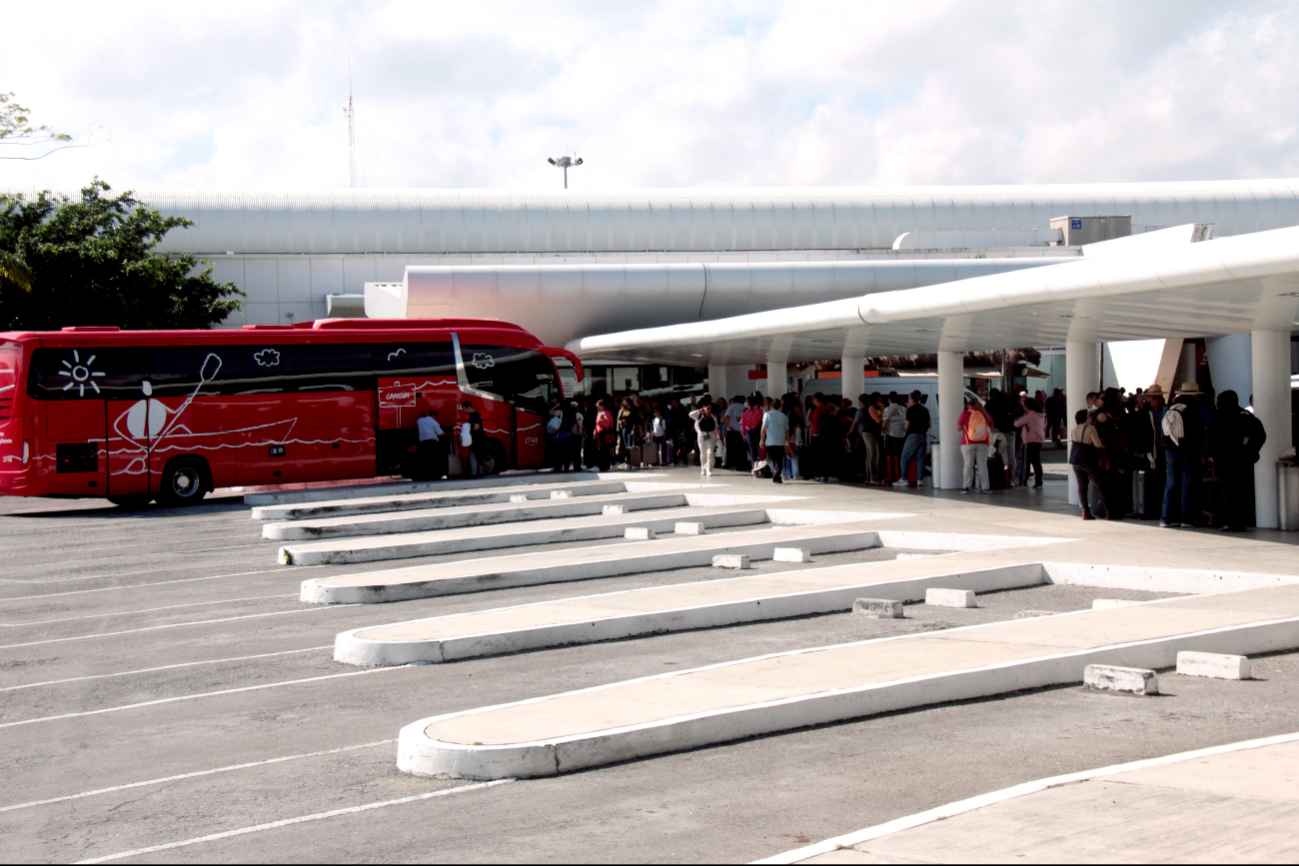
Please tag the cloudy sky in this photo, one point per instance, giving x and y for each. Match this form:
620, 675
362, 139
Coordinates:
655, 94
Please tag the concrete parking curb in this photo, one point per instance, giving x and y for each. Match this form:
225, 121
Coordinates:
482, 744
582, 564
429, 519
680, 607
434, 499
324, 494
469, 539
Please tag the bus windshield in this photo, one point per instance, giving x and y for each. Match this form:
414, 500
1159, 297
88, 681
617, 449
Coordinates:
519, 376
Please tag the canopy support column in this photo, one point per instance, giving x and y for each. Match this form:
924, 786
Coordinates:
777, 379
1081, 375
854, 379
951, 401
1270, 351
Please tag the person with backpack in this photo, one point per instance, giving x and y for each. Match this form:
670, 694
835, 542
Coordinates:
1235, 439
975, 433
706, 430
1183, 438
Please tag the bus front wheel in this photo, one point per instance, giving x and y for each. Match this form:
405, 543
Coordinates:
184, 482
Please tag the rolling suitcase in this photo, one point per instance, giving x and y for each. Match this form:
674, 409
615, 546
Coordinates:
651, 452
996, 473
1147, 493
634, 454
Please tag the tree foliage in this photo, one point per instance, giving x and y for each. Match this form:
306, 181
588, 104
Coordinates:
17, 128
88, 262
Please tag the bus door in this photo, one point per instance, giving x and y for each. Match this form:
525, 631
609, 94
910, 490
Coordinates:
131, 426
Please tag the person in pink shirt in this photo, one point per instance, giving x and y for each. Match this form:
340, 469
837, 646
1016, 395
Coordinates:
1032, 426
751, 426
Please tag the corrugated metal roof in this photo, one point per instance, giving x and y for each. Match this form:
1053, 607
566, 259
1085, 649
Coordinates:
686, 220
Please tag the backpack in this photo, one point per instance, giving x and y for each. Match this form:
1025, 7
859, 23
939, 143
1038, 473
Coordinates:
1173, 427
976, 427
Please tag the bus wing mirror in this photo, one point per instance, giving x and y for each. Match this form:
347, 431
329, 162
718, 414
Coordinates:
567, 355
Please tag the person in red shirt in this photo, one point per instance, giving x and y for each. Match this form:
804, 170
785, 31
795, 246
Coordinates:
976, 431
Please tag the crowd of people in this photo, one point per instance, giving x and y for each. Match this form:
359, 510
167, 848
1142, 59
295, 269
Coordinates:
1189, 462
879, 439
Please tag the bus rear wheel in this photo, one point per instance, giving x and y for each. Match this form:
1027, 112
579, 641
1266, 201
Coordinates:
184, 482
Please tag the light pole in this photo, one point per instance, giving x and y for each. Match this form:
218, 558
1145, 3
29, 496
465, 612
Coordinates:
565, 162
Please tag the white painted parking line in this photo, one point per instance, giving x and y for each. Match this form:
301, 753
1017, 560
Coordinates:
135, 554
140, 585
169, 625
110, 576
193, 697
162, 668
145, 610
274, 825
194, 775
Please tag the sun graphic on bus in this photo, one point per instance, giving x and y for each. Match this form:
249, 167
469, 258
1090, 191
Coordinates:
80, 374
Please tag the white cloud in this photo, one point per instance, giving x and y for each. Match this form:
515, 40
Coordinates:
659, 94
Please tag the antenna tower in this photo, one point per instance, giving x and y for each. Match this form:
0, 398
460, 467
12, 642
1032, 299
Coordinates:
351, 126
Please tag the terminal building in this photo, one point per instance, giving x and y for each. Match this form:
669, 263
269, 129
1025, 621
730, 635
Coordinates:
740, 289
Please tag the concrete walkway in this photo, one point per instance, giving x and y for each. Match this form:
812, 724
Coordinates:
1237, 803
781, 692
678, 607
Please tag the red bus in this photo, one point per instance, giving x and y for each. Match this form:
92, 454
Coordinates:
170, 415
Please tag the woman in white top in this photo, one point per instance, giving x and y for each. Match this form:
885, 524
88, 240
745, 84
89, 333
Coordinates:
706, 430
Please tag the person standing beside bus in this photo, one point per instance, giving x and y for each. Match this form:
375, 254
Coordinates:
432, 456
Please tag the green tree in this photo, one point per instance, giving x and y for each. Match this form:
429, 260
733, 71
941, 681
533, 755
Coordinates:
16, 127
87, 261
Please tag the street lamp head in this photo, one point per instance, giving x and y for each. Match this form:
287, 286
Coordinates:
565, 162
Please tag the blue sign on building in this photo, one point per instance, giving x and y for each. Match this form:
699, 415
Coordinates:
1075, 224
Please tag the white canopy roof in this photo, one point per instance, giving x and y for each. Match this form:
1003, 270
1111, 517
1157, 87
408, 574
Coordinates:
1145, 287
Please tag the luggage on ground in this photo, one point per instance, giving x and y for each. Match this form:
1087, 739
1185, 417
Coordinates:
996, 472
1147, 493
